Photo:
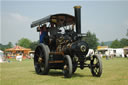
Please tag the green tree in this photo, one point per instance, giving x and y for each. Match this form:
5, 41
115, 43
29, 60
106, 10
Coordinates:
102, 44
24, 42
91, 39
116, 44
124, 42
34, 45
127, 33
3, 47
10, 45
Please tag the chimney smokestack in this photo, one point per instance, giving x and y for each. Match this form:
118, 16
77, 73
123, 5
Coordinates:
77, 10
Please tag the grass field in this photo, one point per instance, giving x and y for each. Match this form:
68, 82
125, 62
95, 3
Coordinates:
115, 72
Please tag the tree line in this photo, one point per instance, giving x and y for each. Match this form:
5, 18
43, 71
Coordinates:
24, 42
89, 37
119, 43
3, 47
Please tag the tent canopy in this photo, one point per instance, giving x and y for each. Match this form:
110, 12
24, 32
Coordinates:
126, 47
1, 56
18, 48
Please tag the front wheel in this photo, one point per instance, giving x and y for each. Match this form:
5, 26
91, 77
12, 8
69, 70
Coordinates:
74, 67
96, 66
67, 69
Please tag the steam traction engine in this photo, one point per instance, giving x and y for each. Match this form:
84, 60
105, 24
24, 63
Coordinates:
61, 46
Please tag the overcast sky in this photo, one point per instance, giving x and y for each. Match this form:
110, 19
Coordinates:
107, 19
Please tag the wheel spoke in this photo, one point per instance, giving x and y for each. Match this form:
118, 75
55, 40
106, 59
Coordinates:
37, 55
95, 70
97, 64
40, 51
42, 67
37, 67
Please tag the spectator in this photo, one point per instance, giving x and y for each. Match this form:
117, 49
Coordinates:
19, 57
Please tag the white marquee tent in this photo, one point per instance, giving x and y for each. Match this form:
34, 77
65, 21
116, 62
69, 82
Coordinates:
1, 56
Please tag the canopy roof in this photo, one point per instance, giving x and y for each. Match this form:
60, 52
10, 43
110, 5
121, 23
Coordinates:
58, 19
102, 47
18, 48
126, 47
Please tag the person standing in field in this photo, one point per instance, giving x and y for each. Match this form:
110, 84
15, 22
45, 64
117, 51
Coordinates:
19, 57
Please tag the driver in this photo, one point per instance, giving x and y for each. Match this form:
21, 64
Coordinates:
43, 33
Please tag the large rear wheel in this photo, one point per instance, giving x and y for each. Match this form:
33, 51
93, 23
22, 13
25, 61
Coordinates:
41, 59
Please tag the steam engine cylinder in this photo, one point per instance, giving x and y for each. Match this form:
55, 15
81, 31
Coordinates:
79, 48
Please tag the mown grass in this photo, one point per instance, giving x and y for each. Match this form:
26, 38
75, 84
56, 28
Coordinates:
115, 72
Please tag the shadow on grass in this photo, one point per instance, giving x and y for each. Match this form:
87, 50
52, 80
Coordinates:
60, 74
55, 73
33, 72
80, 75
